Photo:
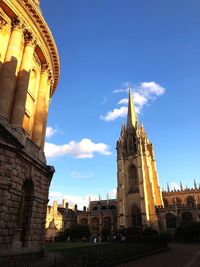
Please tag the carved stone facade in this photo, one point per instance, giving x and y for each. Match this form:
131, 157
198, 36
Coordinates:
138, 191
59, 218
180, 207
26, 86
100, 216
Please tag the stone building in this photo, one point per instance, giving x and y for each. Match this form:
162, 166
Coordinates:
29, 73
180, 207
138, 191
59, 217
101, 216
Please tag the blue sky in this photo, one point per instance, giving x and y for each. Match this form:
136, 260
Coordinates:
103, 46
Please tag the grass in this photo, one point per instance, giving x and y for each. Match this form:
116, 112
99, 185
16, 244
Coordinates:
106, 253
58, 246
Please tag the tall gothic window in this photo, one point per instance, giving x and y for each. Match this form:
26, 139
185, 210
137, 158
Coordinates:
190, 200
136, 217
186, 217
95, 223
84, 221
177, 201
26, 210
107, 223
170, 220
133, 179
165, 202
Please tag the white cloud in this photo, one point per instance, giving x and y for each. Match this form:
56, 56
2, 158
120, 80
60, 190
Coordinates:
144, 93
123, 101
81, 175
81, 201
83, 149
122, 90
55, 195
114, 114
113, 193
50, 131
174, 185
152, 88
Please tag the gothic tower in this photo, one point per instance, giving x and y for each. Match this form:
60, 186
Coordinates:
138, 191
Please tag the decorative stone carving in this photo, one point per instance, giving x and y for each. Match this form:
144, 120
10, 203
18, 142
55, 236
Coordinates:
3, 21
16, 23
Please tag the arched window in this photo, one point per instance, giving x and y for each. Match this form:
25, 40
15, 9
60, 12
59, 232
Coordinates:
84, 221
186, 217
170, 220
190, 200
112, 207
130, 144
133, 179
165, 202
26, 210
107, 223
136, 217
95, 223
177, 201
30, 102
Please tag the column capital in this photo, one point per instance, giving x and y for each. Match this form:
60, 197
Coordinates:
29, 38
44, 67
3, 21
17, 24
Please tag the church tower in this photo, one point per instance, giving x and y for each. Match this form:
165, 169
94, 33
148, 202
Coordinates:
138, 191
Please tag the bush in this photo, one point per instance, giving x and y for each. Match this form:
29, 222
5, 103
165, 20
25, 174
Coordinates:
131, 233
79, 232
167, 236
188, 232
75, 232
149, 232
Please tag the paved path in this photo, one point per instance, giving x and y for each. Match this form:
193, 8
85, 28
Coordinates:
179, 255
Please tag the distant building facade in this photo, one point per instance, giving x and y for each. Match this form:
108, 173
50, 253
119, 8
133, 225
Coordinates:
29, 73
101, 216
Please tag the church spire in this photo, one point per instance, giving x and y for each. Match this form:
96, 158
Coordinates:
131, 117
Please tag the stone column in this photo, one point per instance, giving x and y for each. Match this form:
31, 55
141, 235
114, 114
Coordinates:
8, 74
18, 109
37, 134
3, 23
46, 108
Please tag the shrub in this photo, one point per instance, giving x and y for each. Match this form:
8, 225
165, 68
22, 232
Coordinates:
188, 232
149, 232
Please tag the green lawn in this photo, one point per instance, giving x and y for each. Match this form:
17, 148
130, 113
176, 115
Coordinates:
104, 253
57, 246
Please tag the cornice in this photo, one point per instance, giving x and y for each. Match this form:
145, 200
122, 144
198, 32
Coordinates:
35, 15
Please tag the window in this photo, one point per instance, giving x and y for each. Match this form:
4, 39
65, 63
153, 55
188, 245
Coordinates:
190, 200
136, 216
107, 223
186, 217
25, 213
112, 207
170, 220
95, 223
165, 202
177, 201
84, 221
133, 179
